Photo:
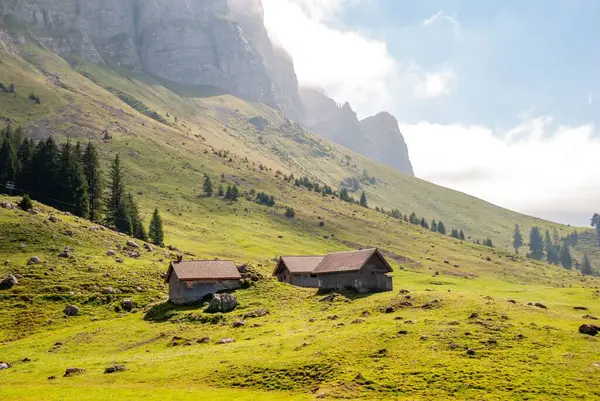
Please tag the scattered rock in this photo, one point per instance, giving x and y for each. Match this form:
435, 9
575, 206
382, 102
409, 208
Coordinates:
132, 244
470, 351
133, 254
239, 323
25, 360
226, 341
512, 301
365, 313
127, 305
402, 332
6, 262
71, 310
389, 309
454, 323
110, 252
109, 290
333, 317
589, 329
590, 317
474, 315
119, 260
203, 340
148, 247
51, 377
9, 282
430, 305
403, 292
321, 395
328, 298
34, 260
73, 372
540, 305
222, 303
5, 365
115, 369
64, 254
423, 338
488, 259
357, 321
256, 313
580, 308
52, 218
7, 205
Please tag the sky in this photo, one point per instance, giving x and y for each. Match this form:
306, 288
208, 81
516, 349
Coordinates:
498, 99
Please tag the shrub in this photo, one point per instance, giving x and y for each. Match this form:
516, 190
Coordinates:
290, 212
35, 98
25, 203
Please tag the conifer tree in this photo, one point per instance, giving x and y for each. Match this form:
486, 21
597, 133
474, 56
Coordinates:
552, 256
423, 223
536, 244
40, 175
137, 226
363, 200
93, 175
413, 218
220, 191
8, 162
434, 226
595, 222
207, 186
72, 189
565, 256
24, 155
517, 239
461, 235
116, 213
441, 228
586, 266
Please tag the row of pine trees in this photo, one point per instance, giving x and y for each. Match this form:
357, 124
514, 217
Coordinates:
69, 178
551, 248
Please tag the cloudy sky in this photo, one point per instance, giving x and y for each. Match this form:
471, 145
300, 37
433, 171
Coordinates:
498, 99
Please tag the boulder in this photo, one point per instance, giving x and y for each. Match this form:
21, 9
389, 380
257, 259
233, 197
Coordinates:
71, 310
470, 351
127, 305
148, 247
73, 372
590, 317
64, 254
110, 252
239, 323
132, 244
5, 365
119, 260
580, 308
328, 298
115, 369
52, 218
203, 340
389, 309
9, 282
222, 303
256, 313
133, 254
540, 305
589, 329
226, 341
34, 260
7, 205
109, 290
474, 315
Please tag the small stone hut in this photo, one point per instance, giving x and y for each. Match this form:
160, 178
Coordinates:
363, 271
191, 281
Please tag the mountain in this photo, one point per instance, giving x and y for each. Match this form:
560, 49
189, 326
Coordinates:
377, 137
207, 43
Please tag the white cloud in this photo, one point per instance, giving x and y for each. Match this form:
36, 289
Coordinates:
350, 65
441, 17
534, 168
434, 84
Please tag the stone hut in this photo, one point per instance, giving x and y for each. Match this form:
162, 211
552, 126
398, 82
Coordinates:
363, 271
191, 281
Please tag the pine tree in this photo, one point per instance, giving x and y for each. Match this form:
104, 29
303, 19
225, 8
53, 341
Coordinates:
517, 239
41, 173
595, 222
461, 235
413, 218
25, 203
235, 192
116, 213
586, 266
434, 226
552, 256
441, 228
536, 244
423, 223
363, 200
565, 256
207, 186
72, 185
220, 191
24, 155
93, 175
137, 226
8, 162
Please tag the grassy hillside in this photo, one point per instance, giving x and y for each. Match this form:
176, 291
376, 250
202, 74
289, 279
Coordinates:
303, 348
348, 348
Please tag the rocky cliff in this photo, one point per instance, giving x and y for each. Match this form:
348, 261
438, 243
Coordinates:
218, 43
377, 137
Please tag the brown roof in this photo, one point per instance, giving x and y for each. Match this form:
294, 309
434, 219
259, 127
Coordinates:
332, 263
300, 264
198, 270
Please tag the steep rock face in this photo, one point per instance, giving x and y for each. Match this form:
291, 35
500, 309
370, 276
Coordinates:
390, 146
378, 137
205, 43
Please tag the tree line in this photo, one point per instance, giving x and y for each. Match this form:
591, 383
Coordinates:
551, 248
69, 177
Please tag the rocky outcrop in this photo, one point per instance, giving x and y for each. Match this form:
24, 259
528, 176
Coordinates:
378, 137
209, 43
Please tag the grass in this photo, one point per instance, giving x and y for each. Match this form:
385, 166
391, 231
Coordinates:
521, 351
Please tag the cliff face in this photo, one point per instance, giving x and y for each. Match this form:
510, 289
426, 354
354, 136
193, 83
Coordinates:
377, 137
208, 42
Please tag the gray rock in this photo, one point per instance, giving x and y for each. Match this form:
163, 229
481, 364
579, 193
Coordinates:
133, 254
110, 252
132, 244
589, 329
226, 341
127, 305
148, 247
109, 290
115, 369
34, 260
5, 365
9, 282
221, 303
239, 323
52, 218
64, 254
71, 310
73, 372
7, 205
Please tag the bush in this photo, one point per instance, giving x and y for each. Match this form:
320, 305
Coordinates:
264, 199
290, 212
35, 98
26, 203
